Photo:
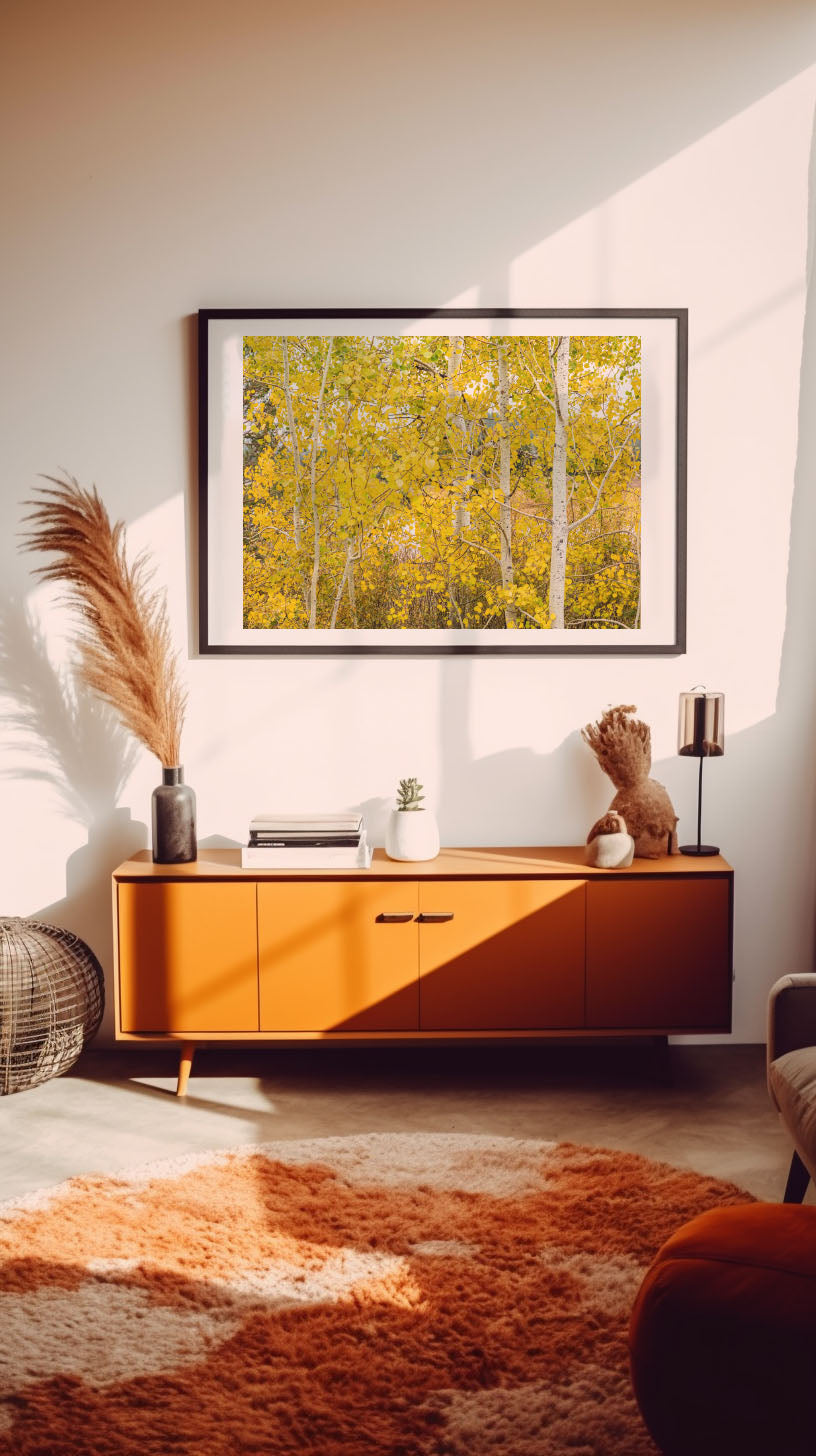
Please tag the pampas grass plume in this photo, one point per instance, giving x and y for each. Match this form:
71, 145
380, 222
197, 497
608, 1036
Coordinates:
124, 645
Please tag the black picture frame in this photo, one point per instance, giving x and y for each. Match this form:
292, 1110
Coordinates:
664, 338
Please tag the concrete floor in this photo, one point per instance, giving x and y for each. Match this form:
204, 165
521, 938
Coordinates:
703, 1107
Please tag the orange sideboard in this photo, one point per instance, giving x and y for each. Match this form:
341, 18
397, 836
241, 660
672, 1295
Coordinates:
476, 943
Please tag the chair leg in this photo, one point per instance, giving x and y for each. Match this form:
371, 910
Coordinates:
798, 1179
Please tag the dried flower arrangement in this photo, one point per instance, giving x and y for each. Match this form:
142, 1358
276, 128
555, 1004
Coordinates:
622, 745
124, 641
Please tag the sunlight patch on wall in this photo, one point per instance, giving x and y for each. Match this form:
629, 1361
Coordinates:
720, 228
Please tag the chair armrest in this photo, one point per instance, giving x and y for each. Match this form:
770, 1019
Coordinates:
791, 1014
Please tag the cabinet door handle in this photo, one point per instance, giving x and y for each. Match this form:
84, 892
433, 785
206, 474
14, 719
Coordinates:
435, 916
395, 917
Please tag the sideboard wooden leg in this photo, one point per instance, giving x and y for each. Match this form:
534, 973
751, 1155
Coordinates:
185, 1064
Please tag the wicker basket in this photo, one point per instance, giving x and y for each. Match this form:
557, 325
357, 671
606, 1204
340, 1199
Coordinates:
52, 995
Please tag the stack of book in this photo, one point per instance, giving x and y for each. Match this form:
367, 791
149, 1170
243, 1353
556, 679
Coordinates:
306, 842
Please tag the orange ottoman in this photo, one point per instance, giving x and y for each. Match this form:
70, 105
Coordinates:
723, 1335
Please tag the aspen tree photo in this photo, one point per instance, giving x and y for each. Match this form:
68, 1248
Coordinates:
448, 482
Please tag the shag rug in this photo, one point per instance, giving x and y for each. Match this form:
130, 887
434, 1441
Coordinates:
427, 1295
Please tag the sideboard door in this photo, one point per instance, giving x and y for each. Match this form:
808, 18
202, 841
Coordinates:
338, 955
188, 956
501, 955
659, 954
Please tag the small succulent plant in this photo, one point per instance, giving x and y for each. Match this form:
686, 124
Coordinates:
410, 795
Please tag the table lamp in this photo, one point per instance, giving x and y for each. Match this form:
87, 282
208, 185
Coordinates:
701, 735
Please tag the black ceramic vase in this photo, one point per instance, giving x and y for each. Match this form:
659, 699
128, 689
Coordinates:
174, 828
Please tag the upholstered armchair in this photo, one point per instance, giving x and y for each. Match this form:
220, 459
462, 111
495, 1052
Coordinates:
723, 1332
792, 1072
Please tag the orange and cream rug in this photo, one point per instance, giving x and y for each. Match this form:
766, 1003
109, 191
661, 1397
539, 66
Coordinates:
426, 1295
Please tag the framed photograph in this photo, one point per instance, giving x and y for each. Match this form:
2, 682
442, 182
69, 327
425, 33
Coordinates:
445, 480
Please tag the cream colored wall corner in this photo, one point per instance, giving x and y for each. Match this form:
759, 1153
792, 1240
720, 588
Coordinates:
164, 158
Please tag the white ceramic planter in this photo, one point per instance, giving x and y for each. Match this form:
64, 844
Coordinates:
412, 834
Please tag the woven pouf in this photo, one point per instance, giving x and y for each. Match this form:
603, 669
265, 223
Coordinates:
52, 995
723, 1335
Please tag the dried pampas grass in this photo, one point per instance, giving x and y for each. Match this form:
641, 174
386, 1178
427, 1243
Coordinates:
125, 650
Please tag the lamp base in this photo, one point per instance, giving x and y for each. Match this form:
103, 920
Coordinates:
700, 849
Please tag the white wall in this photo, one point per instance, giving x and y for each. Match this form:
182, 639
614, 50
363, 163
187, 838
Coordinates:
166, 157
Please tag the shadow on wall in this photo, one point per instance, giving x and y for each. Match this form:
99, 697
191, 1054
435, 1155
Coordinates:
561, 787
782, 805
71, 742
774, 924
781, 800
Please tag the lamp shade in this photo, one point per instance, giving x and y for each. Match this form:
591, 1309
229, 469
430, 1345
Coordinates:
701, 730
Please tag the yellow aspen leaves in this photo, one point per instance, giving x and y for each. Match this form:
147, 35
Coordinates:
377, 490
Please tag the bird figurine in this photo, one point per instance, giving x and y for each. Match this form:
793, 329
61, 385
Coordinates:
609, 845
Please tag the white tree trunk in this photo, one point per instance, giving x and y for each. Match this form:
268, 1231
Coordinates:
315, 576
346, 580
457, 432
559, 364
505, 484
352, 595
290, 416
